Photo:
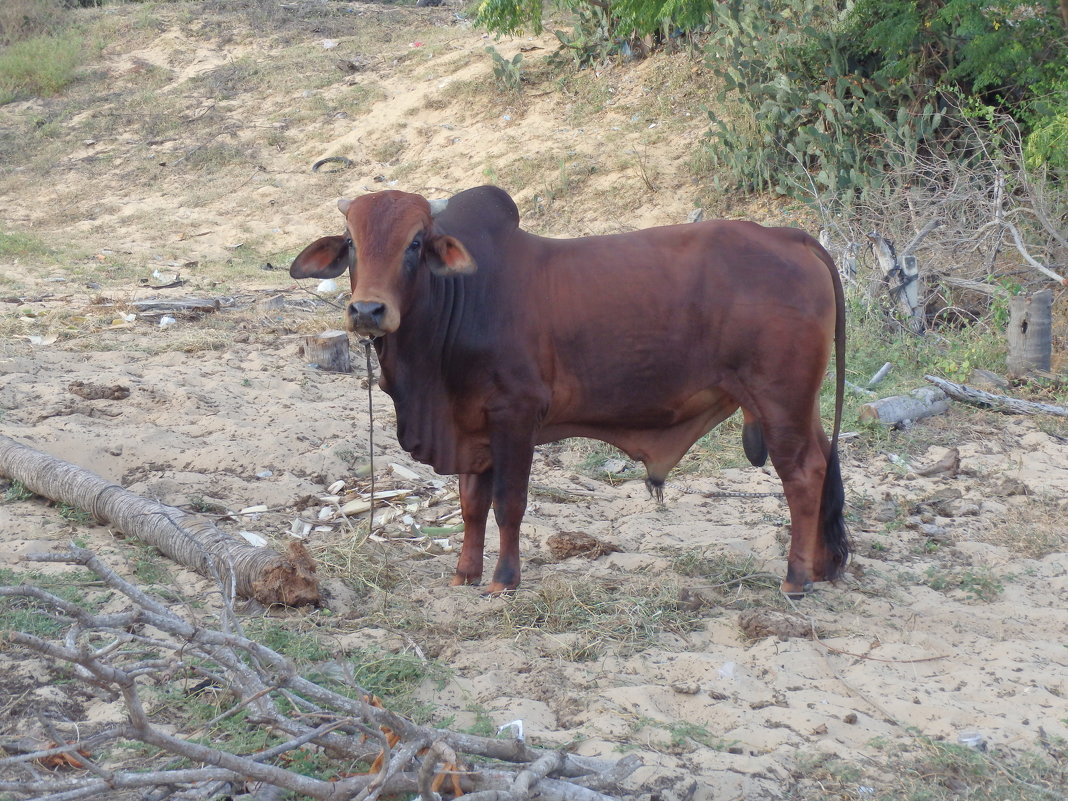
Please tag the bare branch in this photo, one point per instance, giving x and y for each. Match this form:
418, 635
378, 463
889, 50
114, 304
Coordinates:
413, 758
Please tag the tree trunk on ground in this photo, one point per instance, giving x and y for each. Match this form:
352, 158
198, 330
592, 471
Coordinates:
190, 540
922, 402
1030, 333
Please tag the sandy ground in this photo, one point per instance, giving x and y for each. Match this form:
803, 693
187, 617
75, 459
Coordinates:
917, 639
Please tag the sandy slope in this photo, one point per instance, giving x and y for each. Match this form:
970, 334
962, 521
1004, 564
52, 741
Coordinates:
905, 645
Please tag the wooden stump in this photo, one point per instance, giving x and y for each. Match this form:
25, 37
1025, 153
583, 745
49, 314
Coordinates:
329, 351
1030, 333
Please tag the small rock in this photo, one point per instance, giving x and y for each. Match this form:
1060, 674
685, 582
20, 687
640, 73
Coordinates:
567, 544
850, 718
886, 511
759, 623
686, 687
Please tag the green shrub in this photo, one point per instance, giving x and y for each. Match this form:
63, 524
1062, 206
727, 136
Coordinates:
40, 66
828, 104
25, 19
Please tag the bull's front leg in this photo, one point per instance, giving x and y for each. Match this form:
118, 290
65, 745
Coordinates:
476, 494
512, 457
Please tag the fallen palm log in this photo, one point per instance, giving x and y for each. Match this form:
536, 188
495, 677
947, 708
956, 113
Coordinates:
188, 539
150, 644
988, 400
922, 402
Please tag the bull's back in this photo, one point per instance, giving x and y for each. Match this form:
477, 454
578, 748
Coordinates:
641, 323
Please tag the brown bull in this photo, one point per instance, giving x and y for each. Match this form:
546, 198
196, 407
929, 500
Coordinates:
493, 340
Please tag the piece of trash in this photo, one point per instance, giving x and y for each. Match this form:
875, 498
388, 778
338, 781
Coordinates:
415, 44
48, 339
264, 474
400, 471
300, 528
336, 487
253, 510
327, 285
516, 726
329, 44
614, 466
972, 739
444, 544
166, 320
727, 670
252, 538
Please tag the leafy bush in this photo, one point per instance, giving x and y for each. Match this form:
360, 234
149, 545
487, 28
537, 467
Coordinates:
827, 103
39, 66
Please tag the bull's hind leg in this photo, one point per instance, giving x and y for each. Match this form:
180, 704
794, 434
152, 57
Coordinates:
799, 454
476, 495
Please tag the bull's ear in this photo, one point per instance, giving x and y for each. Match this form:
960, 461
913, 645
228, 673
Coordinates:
446, 255
328, 257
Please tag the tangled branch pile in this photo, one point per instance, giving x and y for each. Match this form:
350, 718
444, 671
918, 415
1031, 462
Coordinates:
129, 654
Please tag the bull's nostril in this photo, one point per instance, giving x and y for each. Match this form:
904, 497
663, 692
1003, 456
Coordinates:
371, 310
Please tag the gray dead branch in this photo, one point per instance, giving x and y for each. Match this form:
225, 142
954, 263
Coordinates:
896, 409
999, 403
132, 652
902, 273
190, 540
193, 307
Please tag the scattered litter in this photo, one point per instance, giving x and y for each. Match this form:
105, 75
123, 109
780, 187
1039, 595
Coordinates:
336, 487
253, 538
264, 474
400, 471
329, 44
300, 528
327, 285
48, 339
972, 739
166, 320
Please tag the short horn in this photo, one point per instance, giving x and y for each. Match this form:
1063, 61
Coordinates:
438, 205
343, 204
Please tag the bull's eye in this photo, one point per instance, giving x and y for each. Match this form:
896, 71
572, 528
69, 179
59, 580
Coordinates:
416, 245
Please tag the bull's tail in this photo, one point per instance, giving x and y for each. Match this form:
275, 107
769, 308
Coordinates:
832, 505
832, 519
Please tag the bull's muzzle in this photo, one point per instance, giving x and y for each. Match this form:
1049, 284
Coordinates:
366, 317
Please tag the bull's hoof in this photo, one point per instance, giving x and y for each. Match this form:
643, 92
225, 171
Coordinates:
460, 579
795, 591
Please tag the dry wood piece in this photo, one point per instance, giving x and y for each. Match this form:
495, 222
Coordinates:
1030, 333
1000, 403
191, 306
150, 644
190, 540
329, 351
922, 402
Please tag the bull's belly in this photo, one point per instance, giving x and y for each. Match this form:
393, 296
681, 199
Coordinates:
660, 433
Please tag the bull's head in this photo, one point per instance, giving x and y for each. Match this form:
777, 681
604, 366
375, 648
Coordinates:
392, 237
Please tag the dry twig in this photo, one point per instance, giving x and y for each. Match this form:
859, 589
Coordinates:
129, 653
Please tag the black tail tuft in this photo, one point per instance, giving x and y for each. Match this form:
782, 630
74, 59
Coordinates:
832, 519
655, 487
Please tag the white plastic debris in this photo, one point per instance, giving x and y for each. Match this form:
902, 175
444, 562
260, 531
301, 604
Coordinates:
166, 320
336, 487
400, 471
327, 285
252, 538
254, 510
329, 44
726, 671
264, 474
300, 528
516, 727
